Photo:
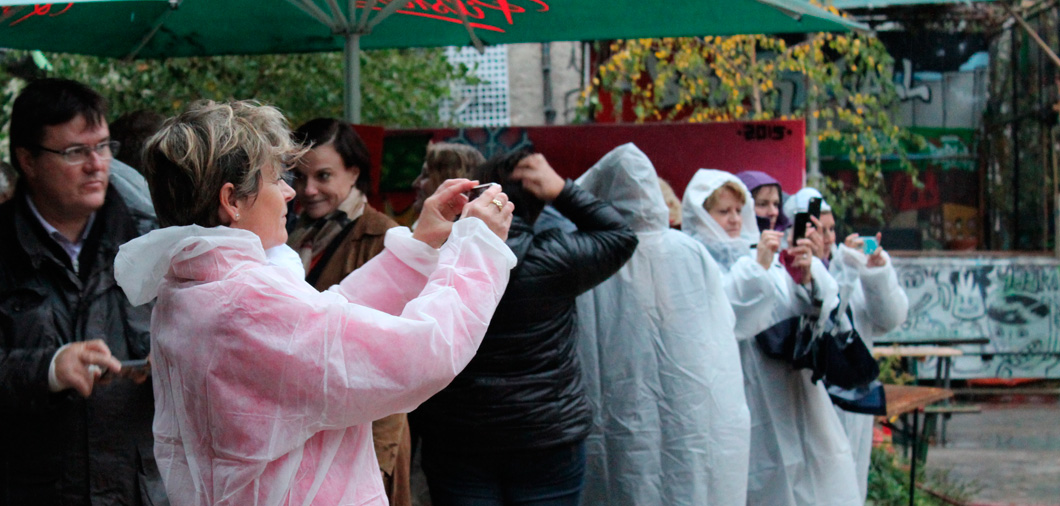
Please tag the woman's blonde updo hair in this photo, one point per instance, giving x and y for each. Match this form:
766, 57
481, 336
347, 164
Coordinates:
208, 145
730, 186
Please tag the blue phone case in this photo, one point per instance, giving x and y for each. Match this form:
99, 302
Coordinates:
870, 245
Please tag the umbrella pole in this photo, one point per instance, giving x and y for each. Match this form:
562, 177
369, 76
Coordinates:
352, 94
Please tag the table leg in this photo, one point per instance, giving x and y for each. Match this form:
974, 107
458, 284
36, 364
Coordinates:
948, 362
913, 453
946, 374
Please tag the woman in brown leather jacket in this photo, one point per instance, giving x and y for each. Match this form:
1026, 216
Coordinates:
337, 232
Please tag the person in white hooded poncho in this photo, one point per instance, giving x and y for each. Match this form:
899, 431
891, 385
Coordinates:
265, 388
659, 360
800, 455
878, 305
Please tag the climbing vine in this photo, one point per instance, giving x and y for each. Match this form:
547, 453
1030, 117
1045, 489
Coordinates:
841, 83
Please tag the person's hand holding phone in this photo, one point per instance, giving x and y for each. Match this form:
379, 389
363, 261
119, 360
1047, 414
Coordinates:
802, 260
493, 207
816, 238
768, 245
854, 241
80, 365
870, 246
876, 258
439, 211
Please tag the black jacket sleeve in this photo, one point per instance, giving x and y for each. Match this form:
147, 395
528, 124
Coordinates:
568, 264
24, 377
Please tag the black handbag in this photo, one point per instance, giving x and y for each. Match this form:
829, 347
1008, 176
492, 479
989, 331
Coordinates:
839, 357
867, 400
790, 340
843, 359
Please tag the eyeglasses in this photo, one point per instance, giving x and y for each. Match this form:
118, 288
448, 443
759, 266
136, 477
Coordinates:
77, 155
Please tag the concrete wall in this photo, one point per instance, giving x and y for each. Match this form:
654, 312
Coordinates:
526, 83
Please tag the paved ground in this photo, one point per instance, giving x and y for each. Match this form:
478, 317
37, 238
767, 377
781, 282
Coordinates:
1011, 451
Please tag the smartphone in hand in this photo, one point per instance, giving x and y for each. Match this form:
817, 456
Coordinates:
763, 223
870, 245
799, 230
474, 193
130, 370
814, 207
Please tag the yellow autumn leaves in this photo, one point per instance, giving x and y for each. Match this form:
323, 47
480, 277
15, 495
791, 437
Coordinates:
847, 77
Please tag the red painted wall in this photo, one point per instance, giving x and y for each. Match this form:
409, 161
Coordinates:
676, 149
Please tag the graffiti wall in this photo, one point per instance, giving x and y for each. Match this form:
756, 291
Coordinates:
1013, 302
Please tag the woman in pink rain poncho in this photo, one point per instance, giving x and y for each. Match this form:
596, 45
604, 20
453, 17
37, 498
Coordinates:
265, 388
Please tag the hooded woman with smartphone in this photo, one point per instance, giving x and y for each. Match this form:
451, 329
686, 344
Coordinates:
799, 453
878, 304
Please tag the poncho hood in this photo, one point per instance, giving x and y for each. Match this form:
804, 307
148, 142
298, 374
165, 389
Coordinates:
753, 179
698, 223
800, 201
185, 253
627, 179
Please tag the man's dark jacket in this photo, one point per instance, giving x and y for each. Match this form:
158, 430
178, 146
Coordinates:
60, 448
523, 390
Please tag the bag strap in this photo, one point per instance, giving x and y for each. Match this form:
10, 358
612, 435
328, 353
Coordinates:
318, 269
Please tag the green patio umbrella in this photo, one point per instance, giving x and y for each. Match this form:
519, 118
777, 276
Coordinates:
880, 4
174, 28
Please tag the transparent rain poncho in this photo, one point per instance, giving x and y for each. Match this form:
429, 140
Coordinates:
660, 361
265, 388
800, 455
878, 305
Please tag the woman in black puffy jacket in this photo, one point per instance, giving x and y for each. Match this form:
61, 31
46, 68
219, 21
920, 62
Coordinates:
511, 427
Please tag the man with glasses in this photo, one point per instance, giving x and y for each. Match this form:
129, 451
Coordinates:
70, 435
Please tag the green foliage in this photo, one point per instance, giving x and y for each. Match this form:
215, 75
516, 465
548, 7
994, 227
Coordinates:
889, 483
892, 372
401, 87
848, 79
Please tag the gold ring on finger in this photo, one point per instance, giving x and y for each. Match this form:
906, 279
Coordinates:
499, 204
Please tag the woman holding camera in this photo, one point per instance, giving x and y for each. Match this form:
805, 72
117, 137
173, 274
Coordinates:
265, 388
866, 279
799, 453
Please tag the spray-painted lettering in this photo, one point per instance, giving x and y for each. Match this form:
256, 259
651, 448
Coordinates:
34, 10
453, 11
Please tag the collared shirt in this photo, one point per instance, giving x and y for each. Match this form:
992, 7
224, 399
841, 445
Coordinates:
72, 249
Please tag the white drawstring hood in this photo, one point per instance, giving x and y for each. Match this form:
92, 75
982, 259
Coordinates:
698, 223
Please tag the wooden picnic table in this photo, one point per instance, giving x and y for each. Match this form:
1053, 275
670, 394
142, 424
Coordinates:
902, 399
916, 351
909, 401
944, 354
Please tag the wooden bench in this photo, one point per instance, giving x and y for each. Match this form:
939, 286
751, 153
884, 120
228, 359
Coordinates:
954, 409
934, 341
948, 410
